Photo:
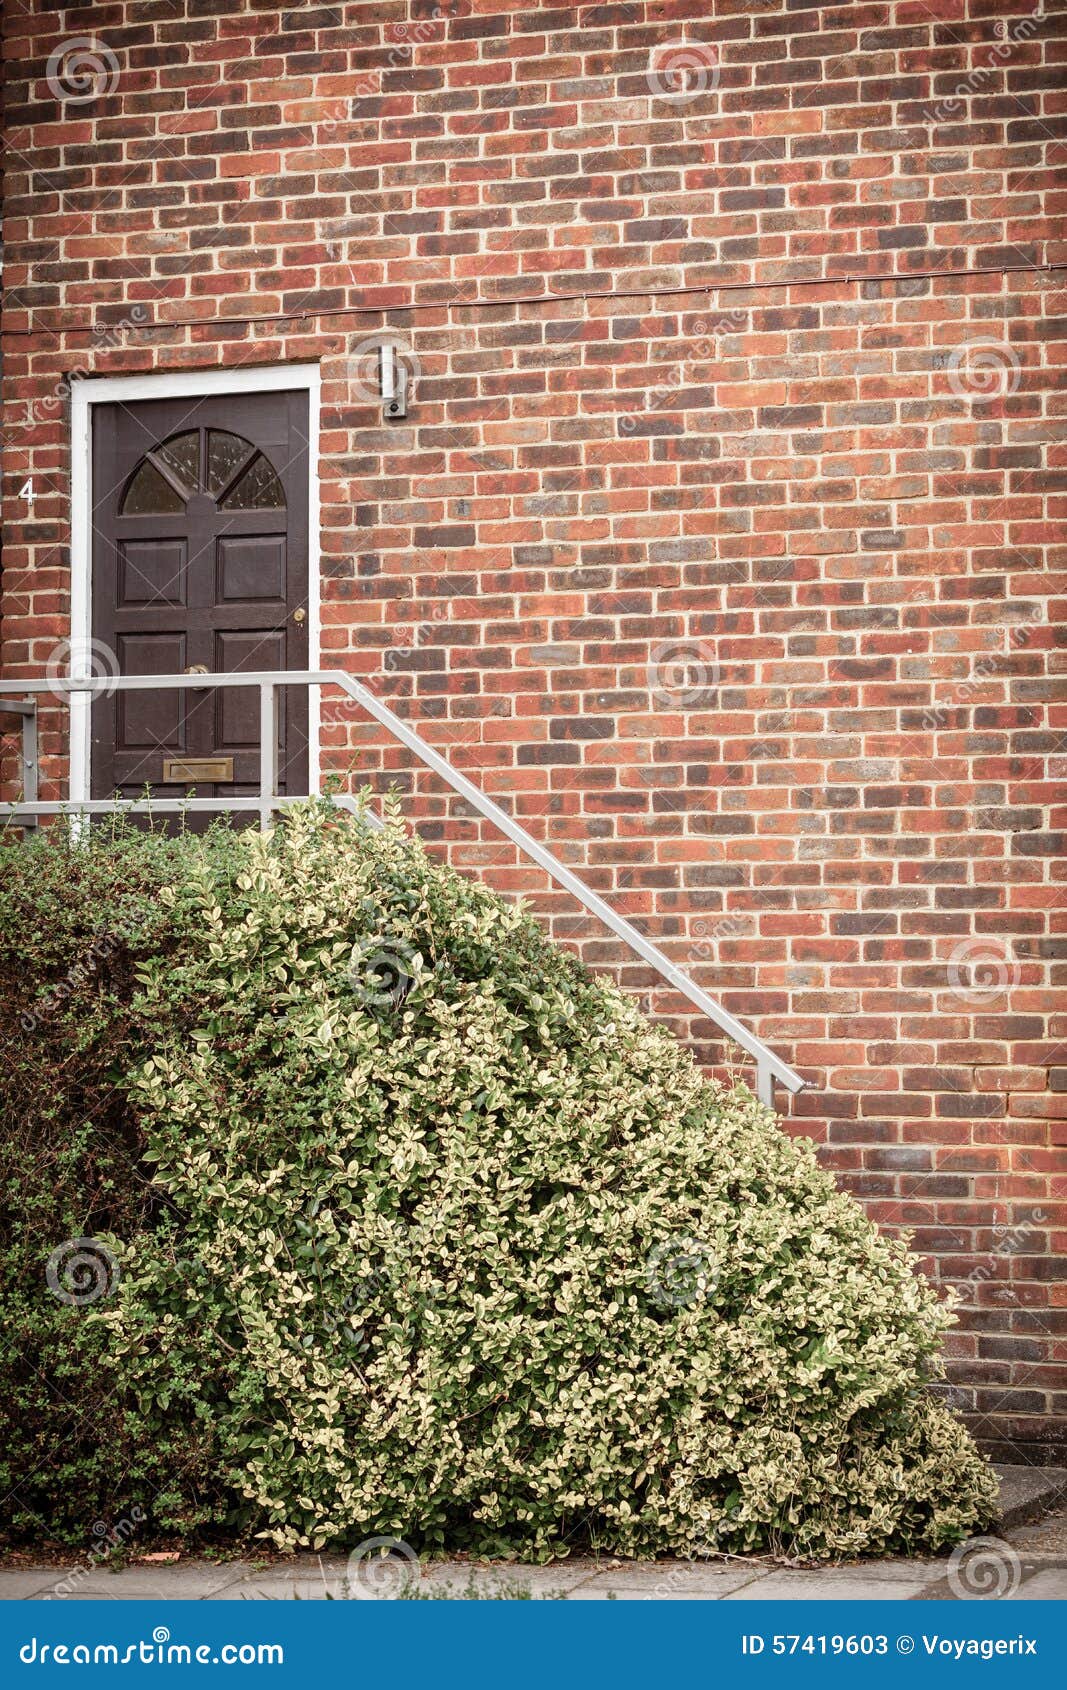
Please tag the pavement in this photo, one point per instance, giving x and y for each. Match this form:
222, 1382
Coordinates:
1024, 1559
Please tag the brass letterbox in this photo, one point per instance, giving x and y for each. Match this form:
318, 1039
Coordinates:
203, 768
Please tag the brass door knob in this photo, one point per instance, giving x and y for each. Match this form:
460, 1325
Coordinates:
299, 615
196, 669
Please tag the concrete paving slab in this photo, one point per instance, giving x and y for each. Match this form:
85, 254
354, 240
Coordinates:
278, 1590
608, 1593
872, 1582
1015, 1569
19, 1587
455, 1577
191, 1583
1049, 1585
670, 1581
884, 1572
858, 1591
554, 1580
920, 1569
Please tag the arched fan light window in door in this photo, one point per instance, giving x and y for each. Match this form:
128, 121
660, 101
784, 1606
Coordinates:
230, 470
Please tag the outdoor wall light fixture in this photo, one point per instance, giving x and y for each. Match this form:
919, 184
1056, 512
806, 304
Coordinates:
394, 382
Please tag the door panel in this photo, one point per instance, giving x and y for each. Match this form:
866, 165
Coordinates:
200, 560
148, 721
251, 569
237, 710
151, 572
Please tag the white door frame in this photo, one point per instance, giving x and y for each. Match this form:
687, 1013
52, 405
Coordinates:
191, 384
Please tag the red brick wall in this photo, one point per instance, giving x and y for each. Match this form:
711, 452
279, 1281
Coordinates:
731, 571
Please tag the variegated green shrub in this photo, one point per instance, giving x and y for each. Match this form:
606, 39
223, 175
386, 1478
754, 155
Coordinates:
454, 1245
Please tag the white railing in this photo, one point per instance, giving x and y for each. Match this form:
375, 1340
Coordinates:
769, 1067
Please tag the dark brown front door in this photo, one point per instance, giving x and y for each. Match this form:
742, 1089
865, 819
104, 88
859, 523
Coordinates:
200, 563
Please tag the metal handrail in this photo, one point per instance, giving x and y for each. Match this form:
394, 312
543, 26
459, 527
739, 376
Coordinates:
769, 1067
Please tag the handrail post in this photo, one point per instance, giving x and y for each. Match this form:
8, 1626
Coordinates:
268, 753
30, 759
765, 1082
